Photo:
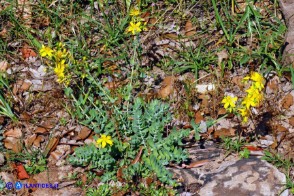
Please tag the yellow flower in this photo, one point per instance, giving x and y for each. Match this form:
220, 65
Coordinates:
104, 140
244, 113
249, 101
135, 12
258, 79
252, 91
229, 102
46, 51
61, 54
59, 71
134, 28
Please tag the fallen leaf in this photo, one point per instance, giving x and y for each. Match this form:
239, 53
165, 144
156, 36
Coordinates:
25, 116
3, 66
172, 36
32, 180
198, 117
56, 155
83, 134
166, 87
238, 81
40, 130
30, 140
221, 111
253, 148
26, 85
47, 125
3, 33
221, 56
21, 172
15, 132
224, 132
291, 121
197, 164
287, 101
138, 156
189, 30
1, 120
51, 145
119, 175
84, 179
111, 85
279, 128
27, 52
273, 84
37, 142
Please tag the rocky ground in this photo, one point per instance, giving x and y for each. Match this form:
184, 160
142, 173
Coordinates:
46, 124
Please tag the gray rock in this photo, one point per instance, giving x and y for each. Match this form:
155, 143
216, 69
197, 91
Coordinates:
245, 177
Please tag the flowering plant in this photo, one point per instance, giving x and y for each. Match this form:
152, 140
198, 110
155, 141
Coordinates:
253, 98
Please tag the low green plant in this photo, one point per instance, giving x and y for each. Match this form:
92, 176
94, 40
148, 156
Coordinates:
34, 161
102, 190
5, 106
235, 145
137, 129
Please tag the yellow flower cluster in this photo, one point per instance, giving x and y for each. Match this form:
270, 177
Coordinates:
253, 98
59, 56
136, 25
254, 95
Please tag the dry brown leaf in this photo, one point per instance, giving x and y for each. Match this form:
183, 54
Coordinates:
291, 121
47, 125
38, 141
197, 164
287, 102
119, 174
173, 36
53, 142
138, 156
188, 26
111, 85
15, 132
152, 21
25, 116
26, 85
273, 84
3, 66
279, 128
3, 33
41, 130
83, 134
84, 179
198, 117
221, 111
27, 52
166, 87
238, 81
21, 172
221, 56
1, 120
30, 140
56, 155
13, 144
224, 132
32, 181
